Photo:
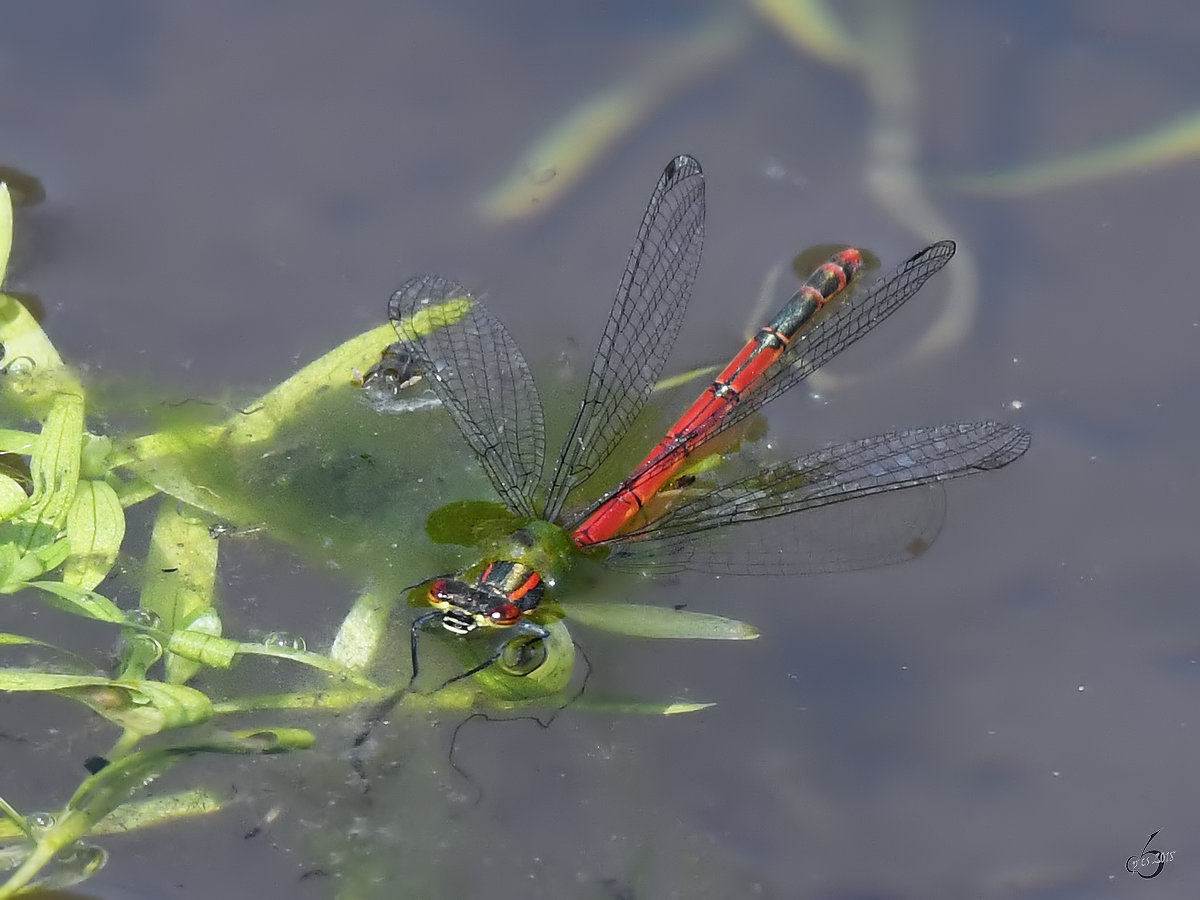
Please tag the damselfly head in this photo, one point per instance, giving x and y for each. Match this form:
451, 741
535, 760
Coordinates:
467, 607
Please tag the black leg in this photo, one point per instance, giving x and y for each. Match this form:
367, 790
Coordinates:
385, 705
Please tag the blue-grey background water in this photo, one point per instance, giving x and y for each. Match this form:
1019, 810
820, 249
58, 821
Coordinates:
231, 189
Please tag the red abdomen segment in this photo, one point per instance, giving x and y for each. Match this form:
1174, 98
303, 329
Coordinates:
706, 414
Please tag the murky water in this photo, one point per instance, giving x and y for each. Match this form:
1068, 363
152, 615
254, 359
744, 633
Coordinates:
230, 191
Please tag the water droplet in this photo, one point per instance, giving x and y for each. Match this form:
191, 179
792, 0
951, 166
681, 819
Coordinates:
82, 861
540, 174
22, 365
523, 655
285, 640
144, 618
40, 822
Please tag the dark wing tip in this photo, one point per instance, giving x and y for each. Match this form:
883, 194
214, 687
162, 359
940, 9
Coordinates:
682, 166
1011, 443
941, 250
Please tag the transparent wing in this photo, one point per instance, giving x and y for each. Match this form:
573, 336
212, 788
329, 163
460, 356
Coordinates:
816, 481
479, 374
863, 533
865, 307
641, 327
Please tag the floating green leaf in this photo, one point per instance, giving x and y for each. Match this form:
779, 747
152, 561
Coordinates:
470, 523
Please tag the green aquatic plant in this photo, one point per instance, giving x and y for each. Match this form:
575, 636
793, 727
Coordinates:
308, 464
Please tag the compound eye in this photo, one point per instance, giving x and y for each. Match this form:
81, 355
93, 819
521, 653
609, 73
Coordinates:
505, 614
438, 591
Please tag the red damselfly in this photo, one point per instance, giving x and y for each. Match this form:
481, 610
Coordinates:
484, 383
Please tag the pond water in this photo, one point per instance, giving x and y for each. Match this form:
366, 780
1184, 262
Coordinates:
231, 189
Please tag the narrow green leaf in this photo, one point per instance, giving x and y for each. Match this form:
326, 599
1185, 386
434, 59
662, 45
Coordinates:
6, 229
671, 382
430, 319
338, 367
134, 815
11, 640
98, 796
95, 530
105, 792
359, 636
259, 740
561, 157
813, 28
55, 870
641, 707
15, 822
80, 601
659, 622
1170, 143
180, 581
145, 707
19, 640
12, 441
159, 810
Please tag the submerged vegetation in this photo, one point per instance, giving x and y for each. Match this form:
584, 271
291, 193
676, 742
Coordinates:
310, 465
